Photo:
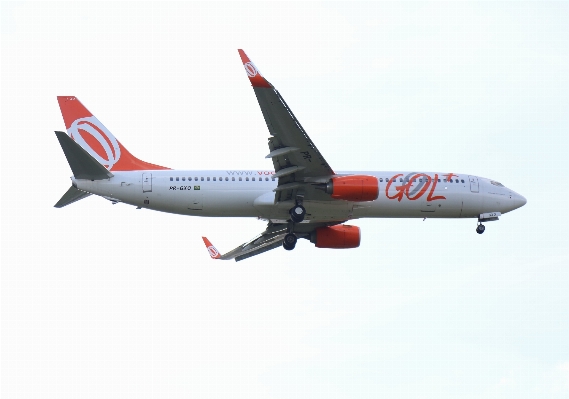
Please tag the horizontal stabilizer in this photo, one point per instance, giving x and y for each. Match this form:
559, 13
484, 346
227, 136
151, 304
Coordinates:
83, 165
72, 195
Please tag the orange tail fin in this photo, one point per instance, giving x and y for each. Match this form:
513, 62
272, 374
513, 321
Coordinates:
95, 138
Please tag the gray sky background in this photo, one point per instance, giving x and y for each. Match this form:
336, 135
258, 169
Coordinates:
108, 301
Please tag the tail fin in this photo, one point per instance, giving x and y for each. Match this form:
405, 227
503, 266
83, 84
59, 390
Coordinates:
96, 139
213, 252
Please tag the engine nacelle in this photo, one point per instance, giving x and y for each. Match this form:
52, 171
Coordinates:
354, 188
340, 236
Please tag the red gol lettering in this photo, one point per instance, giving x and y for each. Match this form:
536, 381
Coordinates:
450, 176
404, 190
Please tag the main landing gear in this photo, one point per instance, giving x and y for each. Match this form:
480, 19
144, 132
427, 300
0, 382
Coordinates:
480, 228
289, 241
297, 214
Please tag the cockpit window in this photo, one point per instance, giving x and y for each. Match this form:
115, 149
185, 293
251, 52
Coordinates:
496, 183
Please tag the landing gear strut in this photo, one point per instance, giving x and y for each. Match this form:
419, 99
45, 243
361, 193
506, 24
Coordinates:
297, 213
289, 241
480, 229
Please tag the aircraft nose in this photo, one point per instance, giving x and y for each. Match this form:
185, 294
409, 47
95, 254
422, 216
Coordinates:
520, 200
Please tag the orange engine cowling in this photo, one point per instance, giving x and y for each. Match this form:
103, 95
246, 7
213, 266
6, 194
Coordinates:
341, 236
353, 188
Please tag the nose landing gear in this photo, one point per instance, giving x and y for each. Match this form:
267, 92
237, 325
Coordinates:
480, 228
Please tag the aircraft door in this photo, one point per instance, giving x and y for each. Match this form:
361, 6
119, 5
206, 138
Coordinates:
195, 199
146, 182
473, 183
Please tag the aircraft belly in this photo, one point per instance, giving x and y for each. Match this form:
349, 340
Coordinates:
231, 203
328, 210
473, 205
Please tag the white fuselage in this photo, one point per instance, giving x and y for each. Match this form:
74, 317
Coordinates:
249, 193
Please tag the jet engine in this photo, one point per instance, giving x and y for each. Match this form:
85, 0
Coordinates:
340, 236
353, 188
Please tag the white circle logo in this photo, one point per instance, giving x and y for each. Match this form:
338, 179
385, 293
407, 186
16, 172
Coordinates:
251, 69
88, 133
212, 251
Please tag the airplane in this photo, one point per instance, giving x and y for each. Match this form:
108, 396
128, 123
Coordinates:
303, 197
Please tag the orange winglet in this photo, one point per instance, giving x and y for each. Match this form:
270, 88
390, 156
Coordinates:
257, 80
213, 252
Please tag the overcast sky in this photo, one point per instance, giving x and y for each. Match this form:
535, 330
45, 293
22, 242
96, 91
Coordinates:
102, 300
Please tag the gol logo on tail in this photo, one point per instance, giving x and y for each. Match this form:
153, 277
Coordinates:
90, 134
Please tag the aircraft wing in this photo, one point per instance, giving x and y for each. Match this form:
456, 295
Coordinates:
269, 239
296, 159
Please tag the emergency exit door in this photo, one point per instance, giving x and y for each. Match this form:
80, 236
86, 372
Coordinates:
146, 182
473, 183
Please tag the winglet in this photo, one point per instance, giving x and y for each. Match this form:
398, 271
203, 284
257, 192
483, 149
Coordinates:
213, 252
257, 80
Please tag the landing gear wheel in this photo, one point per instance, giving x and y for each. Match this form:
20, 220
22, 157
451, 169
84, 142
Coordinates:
289, 242
297, 213
480, 229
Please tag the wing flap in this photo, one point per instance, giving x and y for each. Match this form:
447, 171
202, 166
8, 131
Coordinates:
259, 251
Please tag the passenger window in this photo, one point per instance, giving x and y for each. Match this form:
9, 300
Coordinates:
208, 179
177, 179
227, 179
202, 179
214, 179
240, 179
183, 179
233, 179
253, 179
221, 179
401, 180
381, 179
462, 181
439, 180
272, 178
266, 179
189, 179
171, 179
246, 179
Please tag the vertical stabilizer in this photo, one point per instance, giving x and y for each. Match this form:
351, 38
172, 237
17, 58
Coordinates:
87, 131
